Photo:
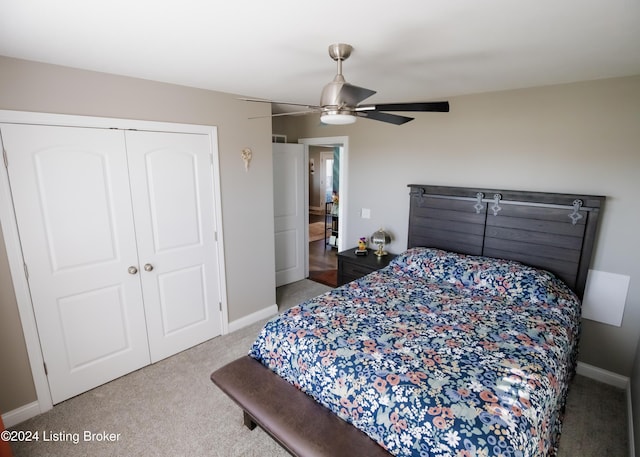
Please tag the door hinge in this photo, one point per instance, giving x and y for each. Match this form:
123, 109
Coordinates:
220, 306
215, 236
26, 271
46, 372
5, 158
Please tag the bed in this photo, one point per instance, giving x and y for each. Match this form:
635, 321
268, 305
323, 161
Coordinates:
464, 345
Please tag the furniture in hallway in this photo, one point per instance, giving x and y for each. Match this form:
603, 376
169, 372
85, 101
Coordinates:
331, 225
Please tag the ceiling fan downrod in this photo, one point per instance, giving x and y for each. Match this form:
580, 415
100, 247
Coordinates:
340, 52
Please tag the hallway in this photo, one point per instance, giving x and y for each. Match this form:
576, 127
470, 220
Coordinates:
323, 262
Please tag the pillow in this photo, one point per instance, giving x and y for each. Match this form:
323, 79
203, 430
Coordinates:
478, 274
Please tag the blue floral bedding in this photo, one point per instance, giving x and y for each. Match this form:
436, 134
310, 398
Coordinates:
438, 354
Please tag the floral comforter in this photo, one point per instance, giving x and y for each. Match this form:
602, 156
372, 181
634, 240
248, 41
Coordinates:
438, 354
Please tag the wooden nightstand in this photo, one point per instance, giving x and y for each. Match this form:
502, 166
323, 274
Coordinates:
352, 266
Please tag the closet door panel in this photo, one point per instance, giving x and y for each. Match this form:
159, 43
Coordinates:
174, 210
72, 202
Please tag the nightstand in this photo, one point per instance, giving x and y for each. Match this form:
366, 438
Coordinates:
352, 266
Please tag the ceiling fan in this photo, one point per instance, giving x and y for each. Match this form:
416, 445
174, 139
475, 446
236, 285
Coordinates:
339, 101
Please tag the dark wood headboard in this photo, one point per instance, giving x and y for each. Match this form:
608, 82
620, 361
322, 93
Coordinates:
555, 232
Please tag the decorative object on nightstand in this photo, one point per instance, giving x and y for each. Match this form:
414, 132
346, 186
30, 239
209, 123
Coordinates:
362, 246
380, 238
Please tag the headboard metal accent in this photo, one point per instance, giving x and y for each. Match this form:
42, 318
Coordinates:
496, 204
575, 214
530, 227
479, 199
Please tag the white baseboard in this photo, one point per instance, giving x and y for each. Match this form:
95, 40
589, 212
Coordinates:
21, 414
253, 318
607, 377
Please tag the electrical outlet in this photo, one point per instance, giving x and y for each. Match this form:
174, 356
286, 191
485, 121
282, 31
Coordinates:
365, 213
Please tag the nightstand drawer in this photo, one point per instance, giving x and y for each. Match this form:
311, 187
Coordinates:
356, 270
352, 266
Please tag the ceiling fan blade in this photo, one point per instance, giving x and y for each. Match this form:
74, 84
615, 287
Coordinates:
292, 113
442, 107
259, 100
352, 95
384, 117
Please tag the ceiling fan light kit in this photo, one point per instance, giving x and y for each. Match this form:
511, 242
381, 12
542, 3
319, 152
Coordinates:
340, 101
337, 118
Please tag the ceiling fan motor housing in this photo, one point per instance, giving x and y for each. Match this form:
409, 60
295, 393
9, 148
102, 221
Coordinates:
330, 98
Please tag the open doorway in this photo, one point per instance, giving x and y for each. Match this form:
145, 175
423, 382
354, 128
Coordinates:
324, 198
326, 186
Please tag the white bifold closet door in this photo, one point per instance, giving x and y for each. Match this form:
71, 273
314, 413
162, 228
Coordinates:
118, 236
172, 194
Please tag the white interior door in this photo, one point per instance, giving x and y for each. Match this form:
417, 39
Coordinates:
72, 201
174, 209
289, 217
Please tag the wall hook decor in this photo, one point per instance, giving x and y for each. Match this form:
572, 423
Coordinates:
247, 155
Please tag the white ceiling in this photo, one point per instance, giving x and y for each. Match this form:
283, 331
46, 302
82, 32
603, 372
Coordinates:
407, 50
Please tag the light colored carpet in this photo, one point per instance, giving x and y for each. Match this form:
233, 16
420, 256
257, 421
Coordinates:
171, 408
297, 292
595, 422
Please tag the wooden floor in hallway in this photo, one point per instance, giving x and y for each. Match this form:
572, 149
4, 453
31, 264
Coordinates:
323, 262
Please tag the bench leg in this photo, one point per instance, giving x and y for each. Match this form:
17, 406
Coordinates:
248, 421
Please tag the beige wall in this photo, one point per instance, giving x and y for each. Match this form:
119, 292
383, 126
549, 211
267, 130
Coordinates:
247, 203
316, 181
16, 386
575, 138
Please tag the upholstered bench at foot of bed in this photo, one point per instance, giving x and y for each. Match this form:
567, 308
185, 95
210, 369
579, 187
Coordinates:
297, 422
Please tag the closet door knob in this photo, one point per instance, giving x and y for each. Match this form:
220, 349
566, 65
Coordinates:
148, 267
132, 270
